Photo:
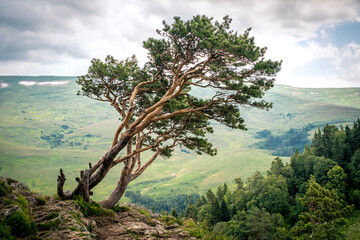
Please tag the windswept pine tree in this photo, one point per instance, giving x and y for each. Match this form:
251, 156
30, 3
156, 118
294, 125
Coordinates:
155, 104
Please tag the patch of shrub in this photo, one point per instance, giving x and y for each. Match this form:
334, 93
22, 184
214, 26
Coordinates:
21, 224
169, 220
41, 201
23, 203
117, 208
4, 188
52, 215
91, 209
49, 225
8, 201
73, 229
5, 232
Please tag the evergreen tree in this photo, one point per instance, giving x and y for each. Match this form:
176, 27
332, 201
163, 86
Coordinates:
354, 138
338, 152
215, 213
277, 167
354, 168
174, 213
337, 181
220, 193
239, 183
224, 211
327, 139
210, 196
317, 146
258, 224
324, 216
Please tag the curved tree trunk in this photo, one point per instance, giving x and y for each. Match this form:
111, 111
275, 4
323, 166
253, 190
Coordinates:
119, 190
93, 177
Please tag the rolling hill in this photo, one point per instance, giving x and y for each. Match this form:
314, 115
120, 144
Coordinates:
45, 126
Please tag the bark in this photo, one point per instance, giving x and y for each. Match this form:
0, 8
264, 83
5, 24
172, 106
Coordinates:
91, 178
119, 190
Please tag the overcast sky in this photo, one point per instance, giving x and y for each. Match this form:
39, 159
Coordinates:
318, 41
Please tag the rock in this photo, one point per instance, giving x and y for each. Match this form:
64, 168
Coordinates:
63, 220
10, 211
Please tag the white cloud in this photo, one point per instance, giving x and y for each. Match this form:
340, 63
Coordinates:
61, 37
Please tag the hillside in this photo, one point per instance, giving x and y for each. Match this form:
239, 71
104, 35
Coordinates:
47, 127
28, 215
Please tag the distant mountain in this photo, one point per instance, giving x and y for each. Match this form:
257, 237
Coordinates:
45, 125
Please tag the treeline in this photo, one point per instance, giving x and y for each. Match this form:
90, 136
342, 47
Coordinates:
309, 198
177, 202
284, 144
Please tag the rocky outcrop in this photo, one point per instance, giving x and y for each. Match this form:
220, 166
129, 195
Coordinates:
57, 219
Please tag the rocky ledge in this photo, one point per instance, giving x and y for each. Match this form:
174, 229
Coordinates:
28, 215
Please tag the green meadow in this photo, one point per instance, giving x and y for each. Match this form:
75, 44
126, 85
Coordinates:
47, 127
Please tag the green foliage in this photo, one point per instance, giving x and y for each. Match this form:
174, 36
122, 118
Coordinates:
195, 229
179, 202
50, 225
270, 193
23, 203
231, 230
21, 224
92, 209
119, 209
215, 213
352, 230
290, 202
174, 213
225, 215
258, 224
4, 188
41, 200
5, 231
337, 181
285, 144
324, 216
169, 220
52, 215
354, 168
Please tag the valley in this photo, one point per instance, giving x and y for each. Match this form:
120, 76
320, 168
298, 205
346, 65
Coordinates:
45, 127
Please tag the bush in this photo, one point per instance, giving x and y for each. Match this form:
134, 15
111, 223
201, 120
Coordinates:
41, 201
21, 224
117, 208
5, 232
92, 209
23, 203
49, 225
4, 188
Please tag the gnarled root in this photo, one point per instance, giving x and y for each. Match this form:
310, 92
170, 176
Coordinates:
60, 187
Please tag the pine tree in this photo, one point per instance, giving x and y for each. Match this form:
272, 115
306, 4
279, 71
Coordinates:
277, 167
354, 168
327, 139
337, 181
210, 196
215, 213
317, 144
338, 152
224, 211
239, 183
324, 216
174, 213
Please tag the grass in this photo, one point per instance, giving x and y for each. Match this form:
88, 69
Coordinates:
29, 112
92, 209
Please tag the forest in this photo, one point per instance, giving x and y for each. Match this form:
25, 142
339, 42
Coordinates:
314, 196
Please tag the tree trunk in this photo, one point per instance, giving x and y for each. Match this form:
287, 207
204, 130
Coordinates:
119, 190
93, 178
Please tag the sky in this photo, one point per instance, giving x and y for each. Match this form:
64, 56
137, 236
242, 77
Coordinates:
318, 40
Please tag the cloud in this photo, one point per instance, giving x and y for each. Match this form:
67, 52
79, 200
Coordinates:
60, 37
